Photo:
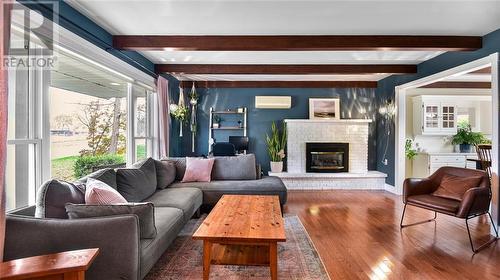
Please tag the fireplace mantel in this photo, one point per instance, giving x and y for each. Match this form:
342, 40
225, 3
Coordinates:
341, 121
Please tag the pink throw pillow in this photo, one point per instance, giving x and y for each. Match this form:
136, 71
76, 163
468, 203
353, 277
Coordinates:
100, 193
198, 170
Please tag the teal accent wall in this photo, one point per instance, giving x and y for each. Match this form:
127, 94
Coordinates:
385, 91
355, 103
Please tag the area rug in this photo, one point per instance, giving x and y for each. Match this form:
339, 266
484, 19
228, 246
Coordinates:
297, 258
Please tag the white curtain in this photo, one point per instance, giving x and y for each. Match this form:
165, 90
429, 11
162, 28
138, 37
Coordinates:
164, 118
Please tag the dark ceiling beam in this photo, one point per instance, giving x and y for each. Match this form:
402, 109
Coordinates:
276, 69
297, 43
470, 85
486, 70
280, 84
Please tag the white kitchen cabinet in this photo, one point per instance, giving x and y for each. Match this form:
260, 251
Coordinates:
432, 115
424, 164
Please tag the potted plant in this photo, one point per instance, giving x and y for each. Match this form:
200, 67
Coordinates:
180, 113
465, 137
276, 147
217, 121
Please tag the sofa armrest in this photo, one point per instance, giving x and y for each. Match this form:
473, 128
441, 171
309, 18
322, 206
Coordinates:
414, 186
117, 238
475, 201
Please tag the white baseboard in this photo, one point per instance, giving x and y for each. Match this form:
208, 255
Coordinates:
391, 189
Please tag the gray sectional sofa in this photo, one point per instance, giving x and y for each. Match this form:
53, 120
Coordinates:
45, 228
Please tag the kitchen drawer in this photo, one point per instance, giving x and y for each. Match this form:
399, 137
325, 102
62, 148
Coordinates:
437, 166
447, 159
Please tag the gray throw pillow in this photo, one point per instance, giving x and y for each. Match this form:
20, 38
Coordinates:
138, 182
165, 173
144, 211
54, 194
180, 166
106, 175
240, 167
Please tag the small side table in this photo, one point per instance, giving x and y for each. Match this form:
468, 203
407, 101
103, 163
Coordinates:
70, 265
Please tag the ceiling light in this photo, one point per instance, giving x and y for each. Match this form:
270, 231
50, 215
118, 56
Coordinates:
169, 49
187, 58
172, 59
163, 59
114, 84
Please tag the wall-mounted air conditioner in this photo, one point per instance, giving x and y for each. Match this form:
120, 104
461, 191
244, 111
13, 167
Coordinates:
273, 102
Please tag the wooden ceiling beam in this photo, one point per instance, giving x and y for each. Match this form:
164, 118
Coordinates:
279, 84
276, 69
297, 43
471, 85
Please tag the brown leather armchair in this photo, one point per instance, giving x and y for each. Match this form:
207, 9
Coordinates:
474, 202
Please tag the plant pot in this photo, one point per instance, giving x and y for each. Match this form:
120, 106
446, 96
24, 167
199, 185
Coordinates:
276, 166
465, 148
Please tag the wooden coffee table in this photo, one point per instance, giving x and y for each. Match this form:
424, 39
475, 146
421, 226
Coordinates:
242, 230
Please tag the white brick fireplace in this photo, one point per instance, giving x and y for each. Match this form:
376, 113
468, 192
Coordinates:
352, 131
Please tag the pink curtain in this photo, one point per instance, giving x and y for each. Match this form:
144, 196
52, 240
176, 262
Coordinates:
4, 47
164, 118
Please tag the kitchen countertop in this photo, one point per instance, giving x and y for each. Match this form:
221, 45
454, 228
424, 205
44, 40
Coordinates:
448, 154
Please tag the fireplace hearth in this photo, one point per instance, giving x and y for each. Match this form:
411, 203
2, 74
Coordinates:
327, 157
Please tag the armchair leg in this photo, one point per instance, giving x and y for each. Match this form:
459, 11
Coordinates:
487, 243
417, 223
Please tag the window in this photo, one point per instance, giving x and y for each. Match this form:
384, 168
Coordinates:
142, 141
84, 111
87, 118
23, 131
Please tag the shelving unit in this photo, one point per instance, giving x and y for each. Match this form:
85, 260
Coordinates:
211, 129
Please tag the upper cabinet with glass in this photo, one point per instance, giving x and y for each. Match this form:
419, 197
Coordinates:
440, 115
434, 115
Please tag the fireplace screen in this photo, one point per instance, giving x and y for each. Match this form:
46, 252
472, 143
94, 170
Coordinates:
327, 157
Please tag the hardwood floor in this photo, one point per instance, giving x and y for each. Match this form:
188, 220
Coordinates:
357, 235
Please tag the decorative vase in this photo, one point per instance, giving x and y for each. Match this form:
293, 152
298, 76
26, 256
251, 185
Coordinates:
465, 148
276, 166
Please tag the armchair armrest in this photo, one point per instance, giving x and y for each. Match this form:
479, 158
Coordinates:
475, 201
414, 186
117, 238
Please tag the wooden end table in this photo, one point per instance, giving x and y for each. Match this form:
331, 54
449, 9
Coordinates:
242, 230
70, 265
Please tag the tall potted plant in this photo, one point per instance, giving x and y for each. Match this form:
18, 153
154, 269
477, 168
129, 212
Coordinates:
465, 137
276, 147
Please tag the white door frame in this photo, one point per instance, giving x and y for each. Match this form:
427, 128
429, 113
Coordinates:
491, 60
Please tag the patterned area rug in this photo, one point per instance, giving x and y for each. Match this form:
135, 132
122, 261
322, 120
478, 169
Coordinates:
297, 258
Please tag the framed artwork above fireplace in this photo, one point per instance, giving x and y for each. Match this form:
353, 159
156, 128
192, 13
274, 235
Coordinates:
324, 108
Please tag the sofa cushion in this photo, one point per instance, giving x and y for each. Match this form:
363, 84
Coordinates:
106, 175
240, 167
54, 194
97, 192
144, 211
434, 202
198, 170
454, 187
169, 222
214, 190
165, 173
186, 199
180, 166
138, 182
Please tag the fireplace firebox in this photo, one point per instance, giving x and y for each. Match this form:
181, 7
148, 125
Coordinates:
327, 157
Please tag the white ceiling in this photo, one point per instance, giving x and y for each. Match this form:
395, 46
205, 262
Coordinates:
295, 17
290, 57
281, 17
